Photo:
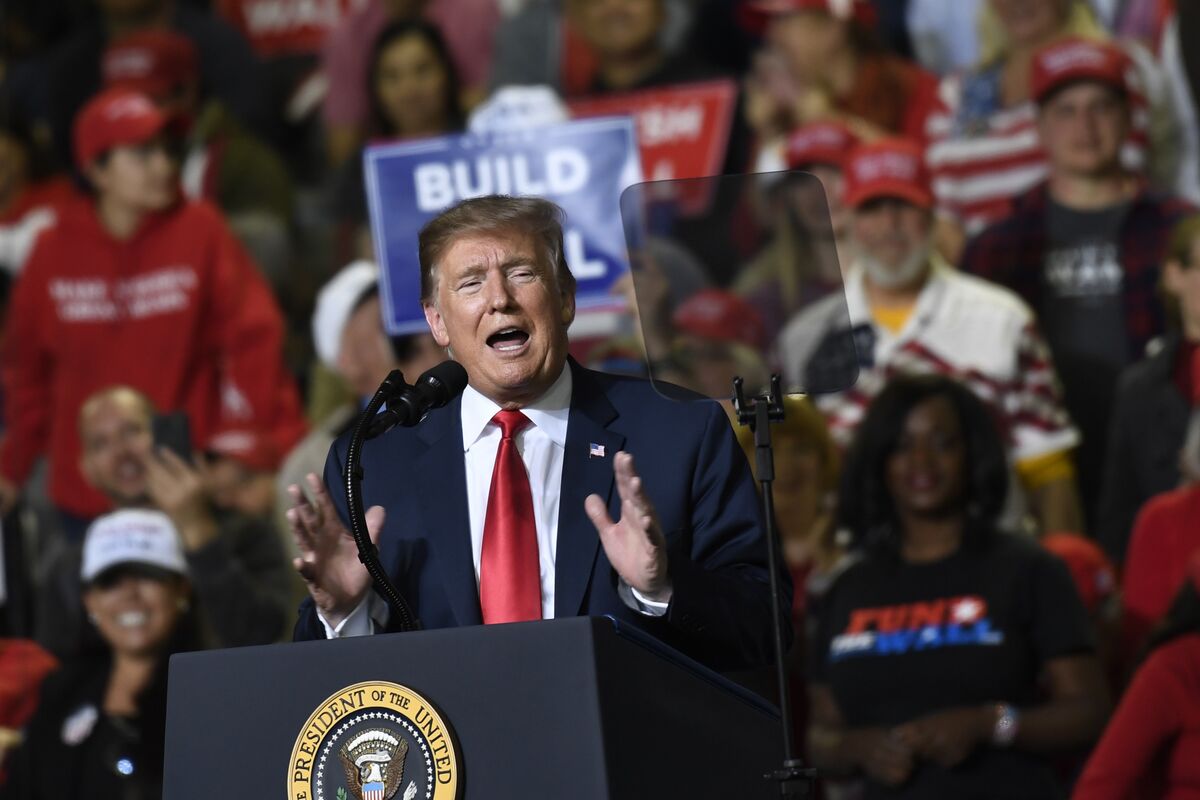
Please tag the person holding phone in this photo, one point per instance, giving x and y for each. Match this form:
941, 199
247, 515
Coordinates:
135, 286
235, 561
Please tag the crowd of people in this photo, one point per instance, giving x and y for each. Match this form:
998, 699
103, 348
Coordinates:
993, 533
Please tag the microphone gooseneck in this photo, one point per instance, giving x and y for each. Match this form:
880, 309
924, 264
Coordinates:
406, 406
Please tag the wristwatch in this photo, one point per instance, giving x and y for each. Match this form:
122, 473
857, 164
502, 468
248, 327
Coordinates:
1007, 723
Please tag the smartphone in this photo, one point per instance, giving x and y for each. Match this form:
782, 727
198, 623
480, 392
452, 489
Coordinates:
173, 432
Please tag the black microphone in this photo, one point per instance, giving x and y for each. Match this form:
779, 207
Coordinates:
408, 405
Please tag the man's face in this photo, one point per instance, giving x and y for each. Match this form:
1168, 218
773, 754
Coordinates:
140, 177
116, 441
503, 314
619, 27
1082, 128
891, 233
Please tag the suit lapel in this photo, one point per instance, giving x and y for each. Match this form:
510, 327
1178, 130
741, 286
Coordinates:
442, 477
583, 473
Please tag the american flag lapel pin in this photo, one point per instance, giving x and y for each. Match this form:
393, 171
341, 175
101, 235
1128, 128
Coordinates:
596, 450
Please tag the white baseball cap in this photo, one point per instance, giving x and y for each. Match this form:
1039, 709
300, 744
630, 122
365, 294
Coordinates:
132, 536
516, 109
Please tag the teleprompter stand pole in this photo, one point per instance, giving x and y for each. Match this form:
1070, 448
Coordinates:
795, 781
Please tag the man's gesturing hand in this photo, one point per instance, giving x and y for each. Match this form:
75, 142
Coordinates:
635, 546
328, 559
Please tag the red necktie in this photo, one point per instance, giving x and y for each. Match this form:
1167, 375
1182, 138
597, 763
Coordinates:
510, 586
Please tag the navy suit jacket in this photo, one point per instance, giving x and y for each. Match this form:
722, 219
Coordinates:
691, 466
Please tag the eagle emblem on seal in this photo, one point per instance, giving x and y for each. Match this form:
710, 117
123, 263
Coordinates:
374, 765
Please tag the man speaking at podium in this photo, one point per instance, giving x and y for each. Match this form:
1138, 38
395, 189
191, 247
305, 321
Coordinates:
546, 490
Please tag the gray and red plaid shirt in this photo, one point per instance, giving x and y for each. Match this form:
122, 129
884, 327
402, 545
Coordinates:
1012, 253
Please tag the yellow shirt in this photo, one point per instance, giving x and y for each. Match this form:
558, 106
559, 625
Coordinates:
1038, 471
894, 318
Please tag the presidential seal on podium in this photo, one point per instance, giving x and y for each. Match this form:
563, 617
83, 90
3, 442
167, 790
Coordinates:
375, 741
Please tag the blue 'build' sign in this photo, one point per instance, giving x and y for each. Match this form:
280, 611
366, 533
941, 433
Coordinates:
582, 166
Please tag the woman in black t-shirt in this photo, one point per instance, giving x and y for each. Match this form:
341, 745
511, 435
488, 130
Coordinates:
950, 659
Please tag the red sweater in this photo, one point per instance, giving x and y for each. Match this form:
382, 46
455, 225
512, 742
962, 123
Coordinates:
1151, 748
1167, 531
177, 311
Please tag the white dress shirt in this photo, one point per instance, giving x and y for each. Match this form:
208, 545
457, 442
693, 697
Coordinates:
542, 444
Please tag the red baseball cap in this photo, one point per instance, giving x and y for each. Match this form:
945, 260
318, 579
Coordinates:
721, 315
819, 143
112, 118
1092, 572
887, 168
154, 62
753, 15
1076, 59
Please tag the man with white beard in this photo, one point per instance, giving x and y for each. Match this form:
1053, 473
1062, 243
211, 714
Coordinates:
911, 313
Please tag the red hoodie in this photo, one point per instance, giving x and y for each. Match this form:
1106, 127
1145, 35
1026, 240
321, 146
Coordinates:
177, 311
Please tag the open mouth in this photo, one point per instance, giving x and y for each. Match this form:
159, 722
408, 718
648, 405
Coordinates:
508, 339
131, 619
129, 469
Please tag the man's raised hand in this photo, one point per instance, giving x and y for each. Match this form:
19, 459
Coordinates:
635, 546
328, 559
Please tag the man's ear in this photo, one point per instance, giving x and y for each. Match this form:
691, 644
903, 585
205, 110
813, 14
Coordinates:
568, 308
437, 326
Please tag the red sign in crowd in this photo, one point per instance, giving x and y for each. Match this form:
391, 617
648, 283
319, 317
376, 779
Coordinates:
682, 131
